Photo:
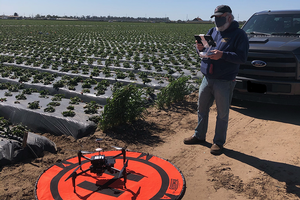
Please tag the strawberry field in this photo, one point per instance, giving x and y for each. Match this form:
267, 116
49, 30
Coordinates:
56, 76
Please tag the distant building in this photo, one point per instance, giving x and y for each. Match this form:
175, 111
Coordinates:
197, 20
200, 21
9, 17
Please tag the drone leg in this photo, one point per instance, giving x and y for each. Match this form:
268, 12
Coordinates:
124, 156
125, 163
125, 177
79, 158
73, 181
125, 173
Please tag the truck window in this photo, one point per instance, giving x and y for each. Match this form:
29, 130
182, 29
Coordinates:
273, 24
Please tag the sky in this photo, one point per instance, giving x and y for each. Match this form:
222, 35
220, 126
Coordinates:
174, 9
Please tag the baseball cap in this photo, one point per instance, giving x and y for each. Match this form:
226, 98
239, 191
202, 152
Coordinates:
220, 10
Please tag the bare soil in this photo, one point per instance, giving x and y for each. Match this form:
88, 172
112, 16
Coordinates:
261, 159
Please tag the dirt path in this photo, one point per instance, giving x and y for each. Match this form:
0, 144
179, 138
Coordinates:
261, 159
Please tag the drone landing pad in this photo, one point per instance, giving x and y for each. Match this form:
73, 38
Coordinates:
149, 177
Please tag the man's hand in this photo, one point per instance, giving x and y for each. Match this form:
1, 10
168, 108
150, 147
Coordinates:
215, 54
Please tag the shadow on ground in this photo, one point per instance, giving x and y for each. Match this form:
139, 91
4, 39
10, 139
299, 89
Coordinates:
280, 113
139, 132
148, 132
289, 174
280, 171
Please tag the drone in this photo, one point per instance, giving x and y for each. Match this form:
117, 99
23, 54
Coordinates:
100, 164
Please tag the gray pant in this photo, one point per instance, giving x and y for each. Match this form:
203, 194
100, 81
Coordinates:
221, 91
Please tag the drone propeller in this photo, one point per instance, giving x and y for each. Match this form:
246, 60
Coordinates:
118, 148
99, 149
87, 152
80, 154
84, 152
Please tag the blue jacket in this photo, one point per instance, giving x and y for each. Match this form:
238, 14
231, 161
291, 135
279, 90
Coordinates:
235, 45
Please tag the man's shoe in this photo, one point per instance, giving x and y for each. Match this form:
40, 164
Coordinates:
192, 140
216, 149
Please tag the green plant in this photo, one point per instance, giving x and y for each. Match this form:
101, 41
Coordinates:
44, 93
53, 103
147, 67
59, 84
74, 100
107, 73
86, 85
7, 94
3, 99
69, 113
149, 90
131, 75
116, 86
126, 65
74, 81
125, 106
57, 97
4, 86
86, 91
49, 109
13, 88
34, 105
136, 66
173, 92
100, 86
100, 92
19, 130
4, 126
91, 107
21, 96
95, 119
120, 74
70, 107
27, 91
198, 81
71, 87
15, 131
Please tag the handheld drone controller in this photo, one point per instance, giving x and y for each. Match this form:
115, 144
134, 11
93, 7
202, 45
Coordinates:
206, 40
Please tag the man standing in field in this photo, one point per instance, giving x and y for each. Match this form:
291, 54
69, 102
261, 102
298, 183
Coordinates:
219, 70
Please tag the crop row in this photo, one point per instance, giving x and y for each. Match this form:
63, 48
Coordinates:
162, 67
20, 93
42, 112
117, 44
76, 84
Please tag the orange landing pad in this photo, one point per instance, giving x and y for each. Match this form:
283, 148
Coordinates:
149, 177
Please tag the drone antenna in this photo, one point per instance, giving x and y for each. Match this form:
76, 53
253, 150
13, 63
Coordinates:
99, 140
